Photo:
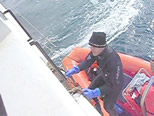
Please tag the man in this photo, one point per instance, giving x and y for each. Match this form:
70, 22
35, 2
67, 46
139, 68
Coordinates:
108, 82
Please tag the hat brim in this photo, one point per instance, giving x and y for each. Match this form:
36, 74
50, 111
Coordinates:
97, 46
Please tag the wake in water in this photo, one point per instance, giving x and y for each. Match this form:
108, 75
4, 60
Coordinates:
113, 18
68, 24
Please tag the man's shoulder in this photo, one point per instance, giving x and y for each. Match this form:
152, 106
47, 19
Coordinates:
90, 56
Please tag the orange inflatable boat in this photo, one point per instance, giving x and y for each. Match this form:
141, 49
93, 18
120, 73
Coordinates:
131, 66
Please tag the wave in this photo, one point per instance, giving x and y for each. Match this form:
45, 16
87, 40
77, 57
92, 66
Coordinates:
113, 18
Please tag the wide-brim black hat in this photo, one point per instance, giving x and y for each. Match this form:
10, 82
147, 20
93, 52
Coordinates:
98, 39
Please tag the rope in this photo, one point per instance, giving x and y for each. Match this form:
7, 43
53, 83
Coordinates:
34, 27
43, 36
51, 68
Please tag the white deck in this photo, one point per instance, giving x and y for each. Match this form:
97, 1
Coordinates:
27, 86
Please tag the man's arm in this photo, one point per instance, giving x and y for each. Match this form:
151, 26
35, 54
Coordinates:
102, 83
107, 82
83, 65
87, 63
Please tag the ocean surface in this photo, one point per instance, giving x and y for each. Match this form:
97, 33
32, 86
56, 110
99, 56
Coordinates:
61, 25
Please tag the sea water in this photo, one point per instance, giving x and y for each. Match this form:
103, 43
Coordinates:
61, 25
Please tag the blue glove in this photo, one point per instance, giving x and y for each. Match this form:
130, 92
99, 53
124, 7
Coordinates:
89, 93
72, 71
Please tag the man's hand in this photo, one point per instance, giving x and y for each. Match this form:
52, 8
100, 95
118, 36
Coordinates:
89, 93
72, 71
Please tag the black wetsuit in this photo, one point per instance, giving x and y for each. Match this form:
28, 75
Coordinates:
109, 78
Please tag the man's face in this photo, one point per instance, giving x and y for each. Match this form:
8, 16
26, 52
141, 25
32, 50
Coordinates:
96, 51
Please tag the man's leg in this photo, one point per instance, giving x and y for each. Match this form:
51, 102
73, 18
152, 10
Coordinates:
113, 112
110, 107
98, 107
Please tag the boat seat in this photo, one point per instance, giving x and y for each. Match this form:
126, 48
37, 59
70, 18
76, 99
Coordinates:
131, 93
137, 81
